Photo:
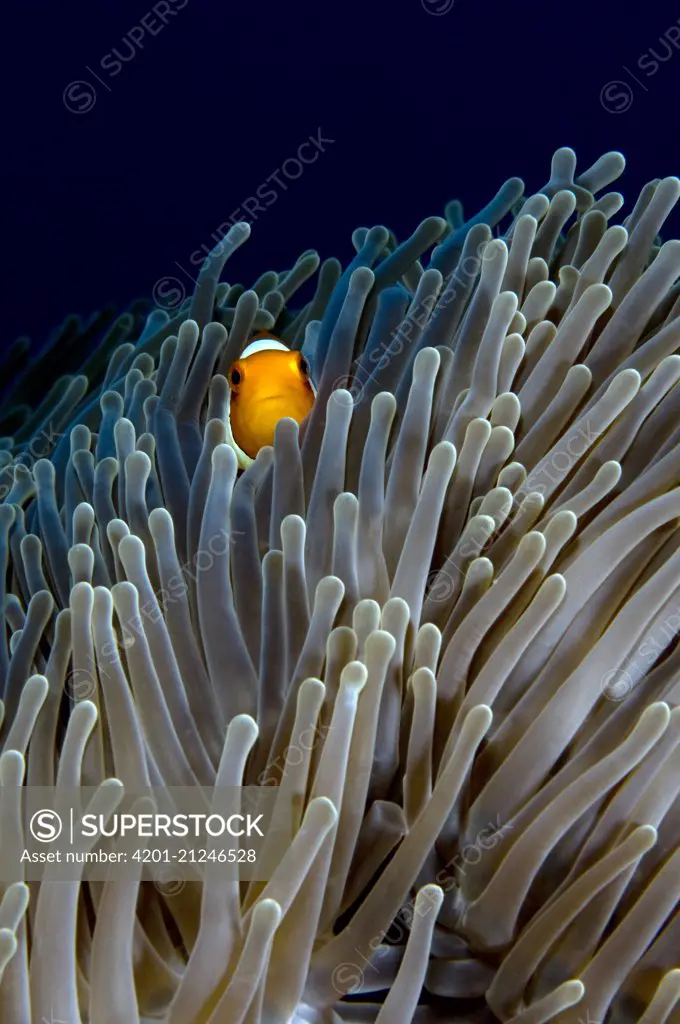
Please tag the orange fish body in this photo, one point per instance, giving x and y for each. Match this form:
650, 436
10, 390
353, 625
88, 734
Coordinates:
269, 382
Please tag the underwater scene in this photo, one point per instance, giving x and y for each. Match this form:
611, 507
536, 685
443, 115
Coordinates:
340, 519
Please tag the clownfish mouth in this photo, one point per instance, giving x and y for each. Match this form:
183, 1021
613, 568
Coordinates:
268, 383
279, 396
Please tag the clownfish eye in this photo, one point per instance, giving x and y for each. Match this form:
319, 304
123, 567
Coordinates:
235, 377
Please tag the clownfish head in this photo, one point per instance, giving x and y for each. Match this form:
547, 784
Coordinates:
268, 383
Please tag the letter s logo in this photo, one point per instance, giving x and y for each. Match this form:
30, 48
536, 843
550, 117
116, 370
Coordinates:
45, 826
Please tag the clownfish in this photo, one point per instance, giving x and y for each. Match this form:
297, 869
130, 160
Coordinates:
269, 382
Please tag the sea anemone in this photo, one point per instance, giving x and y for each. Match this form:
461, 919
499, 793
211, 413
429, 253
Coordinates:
436, 622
